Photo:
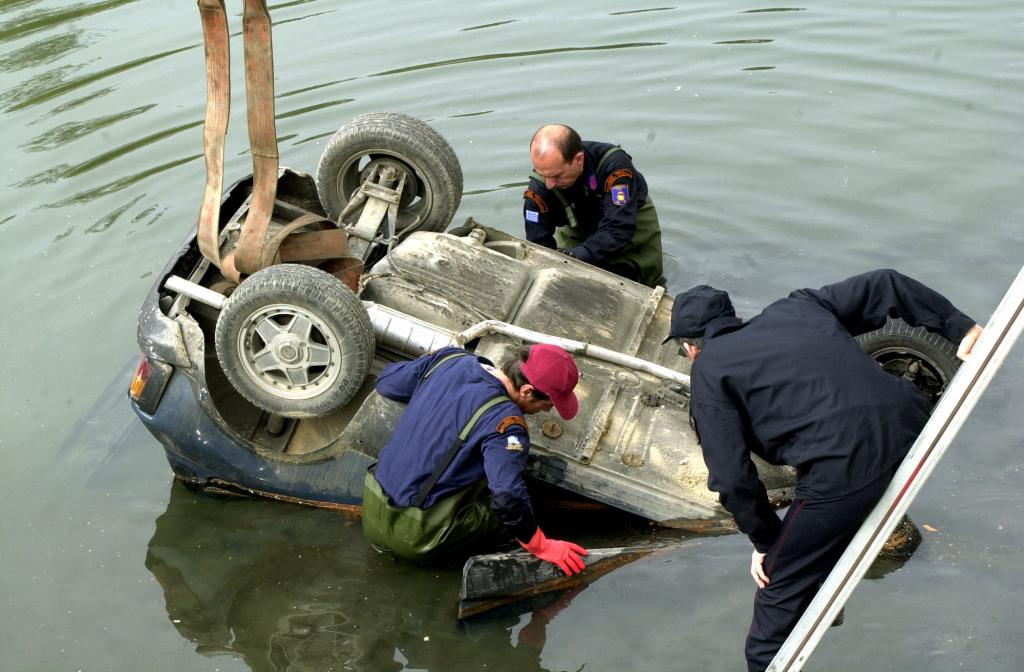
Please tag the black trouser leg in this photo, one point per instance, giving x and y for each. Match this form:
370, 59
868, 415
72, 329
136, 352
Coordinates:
814, 534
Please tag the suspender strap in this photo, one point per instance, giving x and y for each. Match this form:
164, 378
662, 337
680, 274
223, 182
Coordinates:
435, 365
454, 449
604, 157
569, 215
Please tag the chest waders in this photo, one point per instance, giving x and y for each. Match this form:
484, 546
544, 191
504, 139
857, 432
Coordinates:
451, 524
640, 260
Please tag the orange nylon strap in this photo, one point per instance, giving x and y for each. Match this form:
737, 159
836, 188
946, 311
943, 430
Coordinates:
274, 250
259, 87
215, 129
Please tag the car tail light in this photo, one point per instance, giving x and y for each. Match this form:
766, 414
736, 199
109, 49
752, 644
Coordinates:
139, 380
148, 383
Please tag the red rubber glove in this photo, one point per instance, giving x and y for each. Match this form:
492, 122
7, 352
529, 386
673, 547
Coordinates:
567, 555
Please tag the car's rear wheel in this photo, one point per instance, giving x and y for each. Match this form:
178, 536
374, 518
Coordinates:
412, 148
926, 359
295, 341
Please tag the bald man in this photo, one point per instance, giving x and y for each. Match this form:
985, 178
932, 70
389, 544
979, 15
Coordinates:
589, 198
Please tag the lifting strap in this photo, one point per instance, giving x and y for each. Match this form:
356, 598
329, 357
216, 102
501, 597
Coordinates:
259, 86
259, 89
215, 129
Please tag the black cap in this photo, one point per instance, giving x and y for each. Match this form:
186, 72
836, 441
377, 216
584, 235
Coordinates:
695, 308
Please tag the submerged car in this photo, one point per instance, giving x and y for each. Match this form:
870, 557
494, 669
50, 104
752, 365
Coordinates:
262, 383
262, 337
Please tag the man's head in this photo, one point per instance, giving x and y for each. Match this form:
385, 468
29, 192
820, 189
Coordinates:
556, 152
543, 376
692, 311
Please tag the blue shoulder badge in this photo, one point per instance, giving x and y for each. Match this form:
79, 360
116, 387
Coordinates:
532, 216
620, 194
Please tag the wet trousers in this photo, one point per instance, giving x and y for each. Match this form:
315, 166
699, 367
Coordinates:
815, 532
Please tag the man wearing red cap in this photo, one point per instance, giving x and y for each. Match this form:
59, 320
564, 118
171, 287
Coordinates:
451, 475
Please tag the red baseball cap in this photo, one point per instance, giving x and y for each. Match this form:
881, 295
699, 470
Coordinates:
552, 371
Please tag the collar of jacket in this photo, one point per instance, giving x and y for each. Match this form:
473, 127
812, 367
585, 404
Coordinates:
721, 325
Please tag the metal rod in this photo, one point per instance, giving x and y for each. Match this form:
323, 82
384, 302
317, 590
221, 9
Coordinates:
193, 291
956, 404
576, 347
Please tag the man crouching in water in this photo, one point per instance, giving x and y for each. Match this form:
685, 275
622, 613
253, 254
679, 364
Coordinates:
462, 437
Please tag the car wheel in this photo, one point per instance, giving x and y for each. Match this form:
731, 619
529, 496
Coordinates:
295, 341
433, 175
927, 359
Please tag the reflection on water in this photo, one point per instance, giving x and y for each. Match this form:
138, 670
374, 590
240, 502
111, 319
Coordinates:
773, 9
56, 82
36, 20
13, 98
44, 51
514, 54
73, 130
489, 25
642, 11
287, 588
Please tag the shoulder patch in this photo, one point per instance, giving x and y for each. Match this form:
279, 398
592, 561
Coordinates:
537, 200
513, 444
618, 175
620, 194
512, 420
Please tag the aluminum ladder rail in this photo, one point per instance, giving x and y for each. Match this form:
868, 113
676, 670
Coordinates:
950, 414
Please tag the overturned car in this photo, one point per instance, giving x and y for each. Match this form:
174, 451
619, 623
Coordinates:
262, 337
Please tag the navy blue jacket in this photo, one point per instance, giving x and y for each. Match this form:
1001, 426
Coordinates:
438, 408
591, 200
793, 387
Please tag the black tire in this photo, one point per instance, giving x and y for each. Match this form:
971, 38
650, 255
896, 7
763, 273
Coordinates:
927, 359
434, 177
295, 341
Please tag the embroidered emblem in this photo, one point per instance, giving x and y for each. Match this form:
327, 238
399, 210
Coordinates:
513, 444
535, 197
620, 174
593, 182
620, 194
512, 420
532, 216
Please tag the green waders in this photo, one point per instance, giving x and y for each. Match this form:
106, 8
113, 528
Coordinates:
453, 524
641, 259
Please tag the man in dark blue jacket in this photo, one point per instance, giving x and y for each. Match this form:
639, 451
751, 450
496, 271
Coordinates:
591, 198
463, 436
793, 387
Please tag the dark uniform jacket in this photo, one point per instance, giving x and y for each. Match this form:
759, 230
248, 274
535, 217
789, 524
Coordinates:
794, 387
438, 408
604, 201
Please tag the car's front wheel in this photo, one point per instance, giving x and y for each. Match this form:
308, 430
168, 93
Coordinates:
295, 341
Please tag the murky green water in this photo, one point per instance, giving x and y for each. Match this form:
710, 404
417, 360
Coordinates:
786, 147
